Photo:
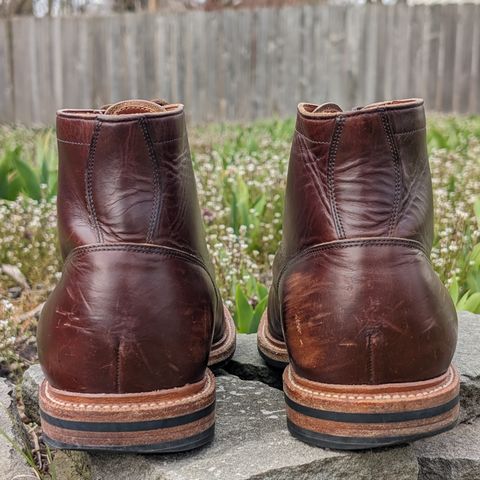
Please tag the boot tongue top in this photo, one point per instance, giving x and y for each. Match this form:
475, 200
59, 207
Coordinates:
129, 107
327, 108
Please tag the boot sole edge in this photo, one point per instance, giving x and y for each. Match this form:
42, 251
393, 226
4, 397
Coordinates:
273, 352
356, 417
163, 421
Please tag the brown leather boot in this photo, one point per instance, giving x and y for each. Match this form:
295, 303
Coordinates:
126, 336
369, 328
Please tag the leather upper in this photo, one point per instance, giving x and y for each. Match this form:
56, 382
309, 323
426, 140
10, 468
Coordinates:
137, 307
354, 295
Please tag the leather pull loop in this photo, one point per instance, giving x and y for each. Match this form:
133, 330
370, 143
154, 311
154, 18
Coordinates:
328, 108
129, 107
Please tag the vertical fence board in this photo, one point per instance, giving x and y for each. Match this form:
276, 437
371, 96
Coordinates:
390, 59
474, 86
381, 54
447, 59
463, 58
416, 52
22, 52
336, 54
432, 38
6, 84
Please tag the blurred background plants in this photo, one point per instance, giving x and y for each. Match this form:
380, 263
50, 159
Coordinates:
241, 172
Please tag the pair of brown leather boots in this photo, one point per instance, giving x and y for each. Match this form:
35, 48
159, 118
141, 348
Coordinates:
355, 310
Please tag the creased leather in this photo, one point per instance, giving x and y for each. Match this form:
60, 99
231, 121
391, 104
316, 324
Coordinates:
124, 320
364, 314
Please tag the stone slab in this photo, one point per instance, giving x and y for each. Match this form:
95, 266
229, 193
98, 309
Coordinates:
13, 437
453, 455
467, 360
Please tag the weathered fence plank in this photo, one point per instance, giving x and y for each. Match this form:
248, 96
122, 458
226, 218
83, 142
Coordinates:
242, 64
7, 113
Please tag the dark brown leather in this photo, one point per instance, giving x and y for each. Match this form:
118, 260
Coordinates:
354, 294
136, 308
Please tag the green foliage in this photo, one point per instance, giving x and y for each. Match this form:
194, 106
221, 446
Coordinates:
452, 133
247, 314
470, 299
30, 171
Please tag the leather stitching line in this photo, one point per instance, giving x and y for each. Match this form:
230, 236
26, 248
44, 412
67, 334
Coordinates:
355, 396
371, 374
117, 370
152, 249
374, 242
396, 167
162, 142
144, 405
410, 131
153, 223
331, 175
70, 142
310, 140
89, 181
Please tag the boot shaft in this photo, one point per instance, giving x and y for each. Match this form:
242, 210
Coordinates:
358, 174
125, 175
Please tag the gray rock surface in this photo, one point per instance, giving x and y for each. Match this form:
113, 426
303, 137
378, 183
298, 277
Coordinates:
454, 455
247, 363
467, 360
30, 382
252, 441
13, 438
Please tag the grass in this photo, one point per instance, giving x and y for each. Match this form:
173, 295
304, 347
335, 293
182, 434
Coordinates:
241, 173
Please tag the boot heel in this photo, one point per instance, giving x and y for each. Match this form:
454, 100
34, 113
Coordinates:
354, 417
162, 421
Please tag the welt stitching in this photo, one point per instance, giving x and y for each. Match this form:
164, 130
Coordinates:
70, 142
315, 251
396, 167
332, 154
89, 181
310, 140
410, 131
153, 223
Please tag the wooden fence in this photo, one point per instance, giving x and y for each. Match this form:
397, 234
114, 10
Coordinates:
243, 64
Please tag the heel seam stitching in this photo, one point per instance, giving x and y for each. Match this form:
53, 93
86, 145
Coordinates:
342, 244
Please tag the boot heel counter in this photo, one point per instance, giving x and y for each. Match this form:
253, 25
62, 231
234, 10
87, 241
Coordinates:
127, 318
367, 312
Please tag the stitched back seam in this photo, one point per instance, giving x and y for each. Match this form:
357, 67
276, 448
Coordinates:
170, 252
154, 215
89, 173
332, 154
316, 250
397, 173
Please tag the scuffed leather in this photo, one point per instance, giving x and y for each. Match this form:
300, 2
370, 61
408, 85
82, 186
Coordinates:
128, 179
353, 310
127, 318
